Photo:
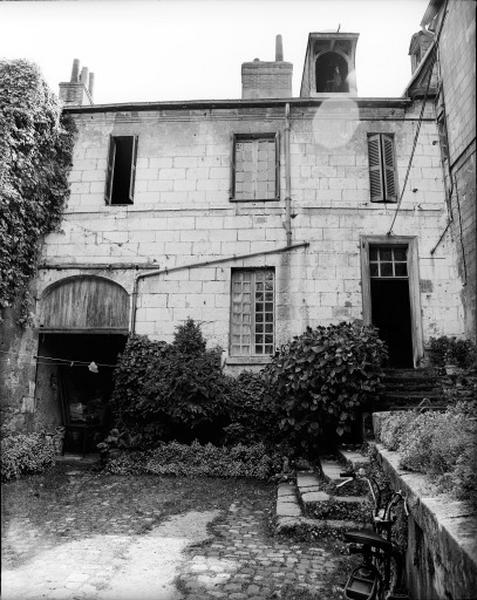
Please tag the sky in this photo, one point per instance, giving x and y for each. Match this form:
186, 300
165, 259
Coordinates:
154, 50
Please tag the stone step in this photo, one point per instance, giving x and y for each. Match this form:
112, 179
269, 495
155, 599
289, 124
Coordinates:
428, 372
331, 470
409, 384
287, 502
355, 508
304, 527
354, 459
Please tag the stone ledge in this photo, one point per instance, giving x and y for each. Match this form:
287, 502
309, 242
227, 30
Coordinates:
449, 526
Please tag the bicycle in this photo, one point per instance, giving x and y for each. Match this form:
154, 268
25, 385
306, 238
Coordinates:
379, 575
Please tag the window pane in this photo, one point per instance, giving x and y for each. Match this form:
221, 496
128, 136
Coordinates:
385, 254
400, 254
386, 269
400, 269
373, 253
373, 269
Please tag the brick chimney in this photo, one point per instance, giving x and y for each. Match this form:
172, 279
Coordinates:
271, 79
79, 90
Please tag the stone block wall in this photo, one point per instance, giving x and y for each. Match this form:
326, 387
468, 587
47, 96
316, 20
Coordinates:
182, 215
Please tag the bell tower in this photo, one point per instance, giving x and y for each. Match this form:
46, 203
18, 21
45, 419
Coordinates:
329, 68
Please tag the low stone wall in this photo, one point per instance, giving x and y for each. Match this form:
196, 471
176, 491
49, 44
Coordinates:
441, 558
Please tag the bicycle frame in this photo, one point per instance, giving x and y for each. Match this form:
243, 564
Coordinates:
373, 579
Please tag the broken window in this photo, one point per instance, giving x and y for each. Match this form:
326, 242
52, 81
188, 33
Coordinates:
121, 170
255, 167
382, 167
331, 73
252, 312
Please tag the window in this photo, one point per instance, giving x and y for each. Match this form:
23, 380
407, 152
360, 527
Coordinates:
388, 261
252, 312
255, 167
382, 167
121, 170
331, 73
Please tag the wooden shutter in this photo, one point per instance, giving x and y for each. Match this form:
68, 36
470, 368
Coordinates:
389, 167
375, 170
110, 170
132, 179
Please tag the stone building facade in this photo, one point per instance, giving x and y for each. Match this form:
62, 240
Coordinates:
256, 217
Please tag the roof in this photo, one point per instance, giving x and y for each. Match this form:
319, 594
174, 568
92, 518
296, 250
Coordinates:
249, 103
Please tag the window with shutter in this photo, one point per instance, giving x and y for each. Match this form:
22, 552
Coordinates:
121, 170
382, 167
255, 167
252, 312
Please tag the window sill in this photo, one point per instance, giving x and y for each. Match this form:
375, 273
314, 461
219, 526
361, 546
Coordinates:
254, 199
248, 360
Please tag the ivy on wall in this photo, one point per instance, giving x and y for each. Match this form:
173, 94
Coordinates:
36, 147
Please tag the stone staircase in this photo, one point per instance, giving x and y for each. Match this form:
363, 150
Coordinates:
408, 388
314, 505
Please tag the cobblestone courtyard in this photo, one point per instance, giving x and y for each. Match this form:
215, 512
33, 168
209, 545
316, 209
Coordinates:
76, 534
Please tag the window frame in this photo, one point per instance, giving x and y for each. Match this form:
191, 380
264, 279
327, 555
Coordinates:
110, 170
252, 356
382, 168
244, 137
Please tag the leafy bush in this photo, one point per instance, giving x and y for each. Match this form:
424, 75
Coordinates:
442, 445
321, 377
26, 453
393, 427
199, 460
253, 415
170, 391
449, 350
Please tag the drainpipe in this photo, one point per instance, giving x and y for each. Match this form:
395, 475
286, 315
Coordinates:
286, 151
205, 263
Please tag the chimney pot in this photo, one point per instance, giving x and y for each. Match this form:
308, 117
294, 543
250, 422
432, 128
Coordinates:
75, 71
91, 84
279, 48
84, 76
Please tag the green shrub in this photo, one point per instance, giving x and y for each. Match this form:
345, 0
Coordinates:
393, 427
253, 416
321, 378
442, 445
170, 391
22, 454
199, 460
449, 350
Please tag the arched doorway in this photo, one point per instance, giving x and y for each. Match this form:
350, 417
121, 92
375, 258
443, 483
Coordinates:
83, 327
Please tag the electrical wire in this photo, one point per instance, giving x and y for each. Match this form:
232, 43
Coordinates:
57, 361
433, 59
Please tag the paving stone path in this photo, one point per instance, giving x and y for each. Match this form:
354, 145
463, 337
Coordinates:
104, 538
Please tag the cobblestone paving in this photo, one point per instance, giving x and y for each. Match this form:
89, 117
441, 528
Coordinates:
79, 535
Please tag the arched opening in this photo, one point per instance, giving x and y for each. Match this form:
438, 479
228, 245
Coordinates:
331, 73
83, 320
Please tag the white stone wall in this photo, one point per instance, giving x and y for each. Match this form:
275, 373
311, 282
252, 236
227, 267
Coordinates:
182, 215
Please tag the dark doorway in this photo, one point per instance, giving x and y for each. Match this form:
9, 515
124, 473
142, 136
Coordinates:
73, 390
390, 302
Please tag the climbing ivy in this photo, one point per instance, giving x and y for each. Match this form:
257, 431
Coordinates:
36, 146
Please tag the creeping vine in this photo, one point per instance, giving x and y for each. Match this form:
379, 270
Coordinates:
36, 147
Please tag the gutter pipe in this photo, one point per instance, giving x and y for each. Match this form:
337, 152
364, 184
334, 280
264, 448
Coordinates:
215, 261
287, 224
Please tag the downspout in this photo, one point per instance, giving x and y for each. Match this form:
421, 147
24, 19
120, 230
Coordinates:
205, 263
286, 152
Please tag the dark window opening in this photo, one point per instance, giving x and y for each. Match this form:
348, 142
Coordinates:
382, 167
255, 169
390, 302
331, 73
121, 170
